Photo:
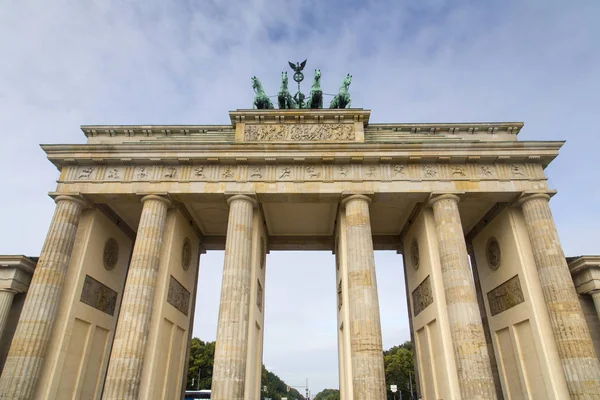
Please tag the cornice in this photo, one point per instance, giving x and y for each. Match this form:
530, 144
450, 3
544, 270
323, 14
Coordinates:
21, 262
537, 152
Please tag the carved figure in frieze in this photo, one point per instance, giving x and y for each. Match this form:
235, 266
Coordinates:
171, 173
371, 171
228, 173
142, 173
516, 170
312, 172
398, 169
256, 173
486, 170
458, 170
199, 171
113, 174
85, 173
285, 172
429, 171
343, 170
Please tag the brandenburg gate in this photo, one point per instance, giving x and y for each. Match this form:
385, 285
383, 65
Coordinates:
493, 309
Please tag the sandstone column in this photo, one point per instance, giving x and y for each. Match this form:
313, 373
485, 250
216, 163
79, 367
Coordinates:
28, 348
595, 297
6, 299
127, 356
366, 349
468, 339
575, 348
232, 332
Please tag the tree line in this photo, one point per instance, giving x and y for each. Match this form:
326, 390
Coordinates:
398, 363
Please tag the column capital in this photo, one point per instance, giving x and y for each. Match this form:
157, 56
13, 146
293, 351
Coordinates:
527, 196
10, 290
444, 196
354, 197
245, 197
75, 199
158, 197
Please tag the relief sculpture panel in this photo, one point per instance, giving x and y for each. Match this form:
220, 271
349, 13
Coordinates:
422, 296
178, 296
505, 296
285, 133
98, 295
306, 172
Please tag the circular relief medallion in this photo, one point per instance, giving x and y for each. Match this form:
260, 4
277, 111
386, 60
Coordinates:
186, 254
414, 253
492, 253
111, 253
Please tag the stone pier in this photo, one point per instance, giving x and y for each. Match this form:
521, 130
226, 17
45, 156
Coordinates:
470, 348
128, 352
229, 368
366, 349
575, 347
29, 344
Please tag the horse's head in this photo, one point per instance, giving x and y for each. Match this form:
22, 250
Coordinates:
256, 85
347, 80
284, 78
317, 74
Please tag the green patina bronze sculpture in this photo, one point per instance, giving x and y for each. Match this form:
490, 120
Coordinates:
316, 94
261, 100
342, 99
284, 98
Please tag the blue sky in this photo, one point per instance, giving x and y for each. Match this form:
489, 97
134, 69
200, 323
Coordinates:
66, 63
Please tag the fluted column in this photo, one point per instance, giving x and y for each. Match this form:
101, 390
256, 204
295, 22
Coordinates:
575, 347
366, 349
6, 299
468, 339
127, 356
232, 332
29, 344
596, 298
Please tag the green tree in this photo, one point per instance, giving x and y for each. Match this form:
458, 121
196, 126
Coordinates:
399, 369
200, 364
276, 388
328, 394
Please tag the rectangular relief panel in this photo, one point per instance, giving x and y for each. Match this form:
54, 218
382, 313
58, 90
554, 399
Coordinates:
178, 296
299, 133
98, 295
422, 296
505, 295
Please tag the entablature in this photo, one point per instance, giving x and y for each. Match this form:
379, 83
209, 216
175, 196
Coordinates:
441, 152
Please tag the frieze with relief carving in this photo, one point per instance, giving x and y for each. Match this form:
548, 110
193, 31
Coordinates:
311, 172
505, 296
301, 133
